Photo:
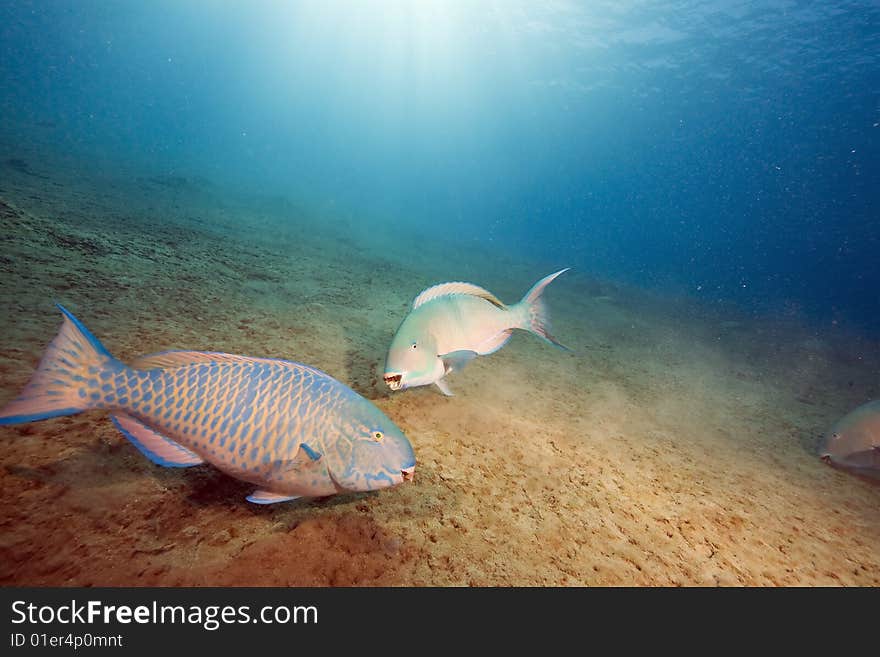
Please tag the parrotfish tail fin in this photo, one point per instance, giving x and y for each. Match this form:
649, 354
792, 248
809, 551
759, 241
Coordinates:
534, 311
67, 379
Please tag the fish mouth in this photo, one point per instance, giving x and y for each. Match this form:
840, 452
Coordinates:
408, 473
394, 381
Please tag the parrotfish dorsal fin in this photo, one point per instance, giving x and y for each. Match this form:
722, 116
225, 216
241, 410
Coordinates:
156, 447
167, 360
172, 359
444, 289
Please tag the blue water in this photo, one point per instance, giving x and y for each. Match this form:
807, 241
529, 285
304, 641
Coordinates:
730, 150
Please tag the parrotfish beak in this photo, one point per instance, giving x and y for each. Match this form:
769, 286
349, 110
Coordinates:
394, 381
408, 473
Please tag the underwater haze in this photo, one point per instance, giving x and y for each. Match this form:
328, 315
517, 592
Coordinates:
726, 149
684, 194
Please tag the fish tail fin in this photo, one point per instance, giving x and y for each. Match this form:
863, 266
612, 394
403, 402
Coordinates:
67, 379
534, 311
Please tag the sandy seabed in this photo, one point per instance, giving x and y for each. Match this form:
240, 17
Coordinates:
676, 445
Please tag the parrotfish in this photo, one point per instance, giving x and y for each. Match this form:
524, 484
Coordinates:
450, 324
854, 441
288, 428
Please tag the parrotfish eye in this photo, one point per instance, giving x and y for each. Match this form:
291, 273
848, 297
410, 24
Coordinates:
414, 345
378, 436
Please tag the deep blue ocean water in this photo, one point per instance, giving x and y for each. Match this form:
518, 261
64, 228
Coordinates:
726, 149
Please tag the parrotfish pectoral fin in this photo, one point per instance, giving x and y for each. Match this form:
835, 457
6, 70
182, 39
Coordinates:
156, 447
311, 453
444, 387
268, 497
58, 387
306, 461
456, 360
534, 312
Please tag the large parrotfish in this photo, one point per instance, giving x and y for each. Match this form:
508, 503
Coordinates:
452, 323
290, 429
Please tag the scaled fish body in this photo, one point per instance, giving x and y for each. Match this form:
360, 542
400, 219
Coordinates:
452, 323
290, 429
854, 441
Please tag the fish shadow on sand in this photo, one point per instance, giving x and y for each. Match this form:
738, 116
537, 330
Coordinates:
865, 476
98, 466
307, 507
205, 486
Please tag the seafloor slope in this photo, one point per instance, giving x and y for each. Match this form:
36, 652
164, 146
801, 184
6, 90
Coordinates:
675, 445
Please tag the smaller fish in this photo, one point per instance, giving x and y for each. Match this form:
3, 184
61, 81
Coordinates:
452, 323
854, 442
